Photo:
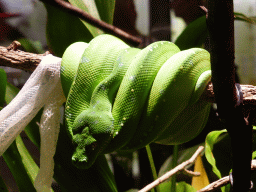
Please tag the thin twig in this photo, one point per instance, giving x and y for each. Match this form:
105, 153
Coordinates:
205, 10
177, 169
222, 182
216, 184
191, 173
93, 21
209, 188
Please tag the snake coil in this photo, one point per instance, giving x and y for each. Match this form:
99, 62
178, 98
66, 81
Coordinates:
124, 98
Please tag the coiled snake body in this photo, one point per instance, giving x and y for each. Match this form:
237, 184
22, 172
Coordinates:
124, 98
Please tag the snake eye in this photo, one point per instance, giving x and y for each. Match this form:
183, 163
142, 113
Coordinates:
94, 145
82, 128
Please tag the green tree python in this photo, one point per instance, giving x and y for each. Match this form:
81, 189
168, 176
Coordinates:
123, 98
117, 98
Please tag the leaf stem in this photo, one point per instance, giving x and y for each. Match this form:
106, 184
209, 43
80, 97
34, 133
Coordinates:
174, 164
152, 165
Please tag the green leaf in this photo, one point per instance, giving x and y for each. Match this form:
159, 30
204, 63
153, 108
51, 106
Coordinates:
242, 17
31, 46
193, 35
11, 92
210, 140
17, 157
90, 8
180, 187
3, 81
254, 155
28, 162
16, 166
63, 29
106, 10
2, 183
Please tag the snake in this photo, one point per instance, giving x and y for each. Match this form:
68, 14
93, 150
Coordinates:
124, 98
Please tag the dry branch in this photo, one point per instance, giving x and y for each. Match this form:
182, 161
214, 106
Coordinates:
12, 57
223, 181
182, 167
177, 169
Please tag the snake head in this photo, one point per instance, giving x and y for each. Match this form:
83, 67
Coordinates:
91, 134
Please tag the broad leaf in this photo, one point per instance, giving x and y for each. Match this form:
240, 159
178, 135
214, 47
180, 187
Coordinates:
14, 161
193, 35
202, 180
64, 29
31, 46
90, 8
28, 162
2, 183
106, 10
210, 140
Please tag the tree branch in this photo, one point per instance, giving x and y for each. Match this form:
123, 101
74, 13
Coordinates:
12, 57
182, 167
175, 170
220, 13
60, 4
223, 181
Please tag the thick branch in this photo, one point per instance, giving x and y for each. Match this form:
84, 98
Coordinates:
11, 57
220, 13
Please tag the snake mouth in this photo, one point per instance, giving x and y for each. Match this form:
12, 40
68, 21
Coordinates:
86, 150
91, 134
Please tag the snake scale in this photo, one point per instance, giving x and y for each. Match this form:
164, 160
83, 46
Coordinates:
119, 97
